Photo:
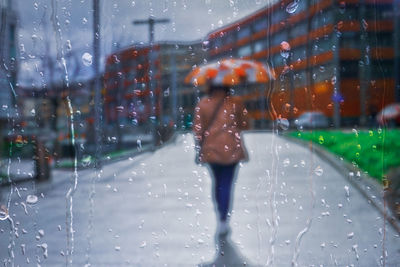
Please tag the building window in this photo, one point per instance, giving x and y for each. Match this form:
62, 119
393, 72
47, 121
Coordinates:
244, 32
279, 37
261, 24
244, 51
260, 46
298, 30
278, 16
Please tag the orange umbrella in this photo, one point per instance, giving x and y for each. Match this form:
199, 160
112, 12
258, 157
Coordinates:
230, 72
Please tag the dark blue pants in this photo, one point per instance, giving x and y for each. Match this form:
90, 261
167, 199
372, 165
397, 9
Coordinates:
223, 178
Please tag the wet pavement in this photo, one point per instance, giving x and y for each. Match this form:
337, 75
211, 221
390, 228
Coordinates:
289, 208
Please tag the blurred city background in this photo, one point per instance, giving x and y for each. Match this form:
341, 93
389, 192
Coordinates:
121, 91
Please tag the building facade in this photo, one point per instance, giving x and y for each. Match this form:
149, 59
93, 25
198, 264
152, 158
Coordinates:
334, 56
138, 90
8, 55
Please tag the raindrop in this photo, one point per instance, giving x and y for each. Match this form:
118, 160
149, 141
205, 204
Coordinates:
333, 80
36, 5
3, 213
143, 245
87, 59
139, 144
44, 247
220, 23
84, 20
292, 7
319, 171
285, 49
133, 3
350, 235
347, 189
364, 24
68, 45
31, 199
23, 249
286, 162
120, 108
41, 232
166, 92
321, 139
321, 68
205, 45
117, 248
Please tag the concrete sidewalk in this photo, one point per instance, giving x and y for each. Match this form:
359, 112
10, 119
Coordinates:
289, 207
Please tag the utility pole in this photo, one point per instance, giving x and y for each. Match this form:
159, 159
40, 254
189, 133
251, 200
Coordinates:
97, 89
151, 21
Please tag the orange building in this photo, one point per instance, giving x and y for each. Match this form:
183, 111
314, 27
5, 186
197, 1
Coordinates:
335, 56
127, 94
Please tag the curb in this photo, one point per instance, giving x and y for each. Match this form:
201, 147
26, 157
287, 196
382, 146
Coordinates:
366, 185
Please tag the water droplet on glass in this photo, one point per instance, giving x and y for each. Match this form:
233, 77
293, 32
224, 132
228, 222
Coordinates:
117, 248
347, 190
321, 68
350, 235
319, 171
292, 7
139, 144
31, 199
84, 20
205, 45
44, 247
333, 80
133, 3
321, 139
41, 232
285, 49
119, 108
87, 59
286, 162
68, 45
3, 213
36, 6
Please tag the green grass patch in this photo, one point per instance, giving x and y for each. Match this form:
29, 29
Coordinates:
374, 151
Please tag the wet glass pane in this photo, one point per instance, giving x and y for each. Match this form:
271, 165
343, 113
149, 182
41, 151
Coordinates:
199, 133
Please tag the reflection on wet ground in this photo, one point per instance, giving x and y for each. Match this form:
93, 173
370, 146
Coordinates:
227, 254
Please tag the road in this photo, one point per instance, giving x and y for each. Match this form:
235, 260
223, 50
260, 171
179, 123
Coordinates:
290, 208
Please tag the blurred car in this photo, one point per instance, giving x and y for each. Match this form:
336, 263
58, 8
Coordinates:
389, 115
312, 119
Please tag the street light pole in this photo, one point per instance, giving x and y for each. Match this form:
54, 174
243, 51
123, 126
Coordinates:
151, 21
97, 89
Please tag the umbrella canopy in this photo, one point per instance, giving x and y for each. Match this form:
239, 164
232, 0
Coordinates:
230, 72
389, 112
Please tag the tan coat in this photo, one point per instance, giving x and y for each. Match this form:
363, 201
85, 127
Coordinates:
222, 142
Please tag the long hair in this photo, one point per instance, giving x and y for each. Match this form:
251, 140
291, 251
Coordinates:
215, 88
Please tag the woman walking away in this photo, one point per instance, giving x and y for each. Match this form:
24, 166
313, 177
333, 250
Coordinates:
219, 120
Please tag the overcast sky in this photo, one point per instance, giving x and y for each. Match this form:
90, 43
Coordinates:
190, 20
